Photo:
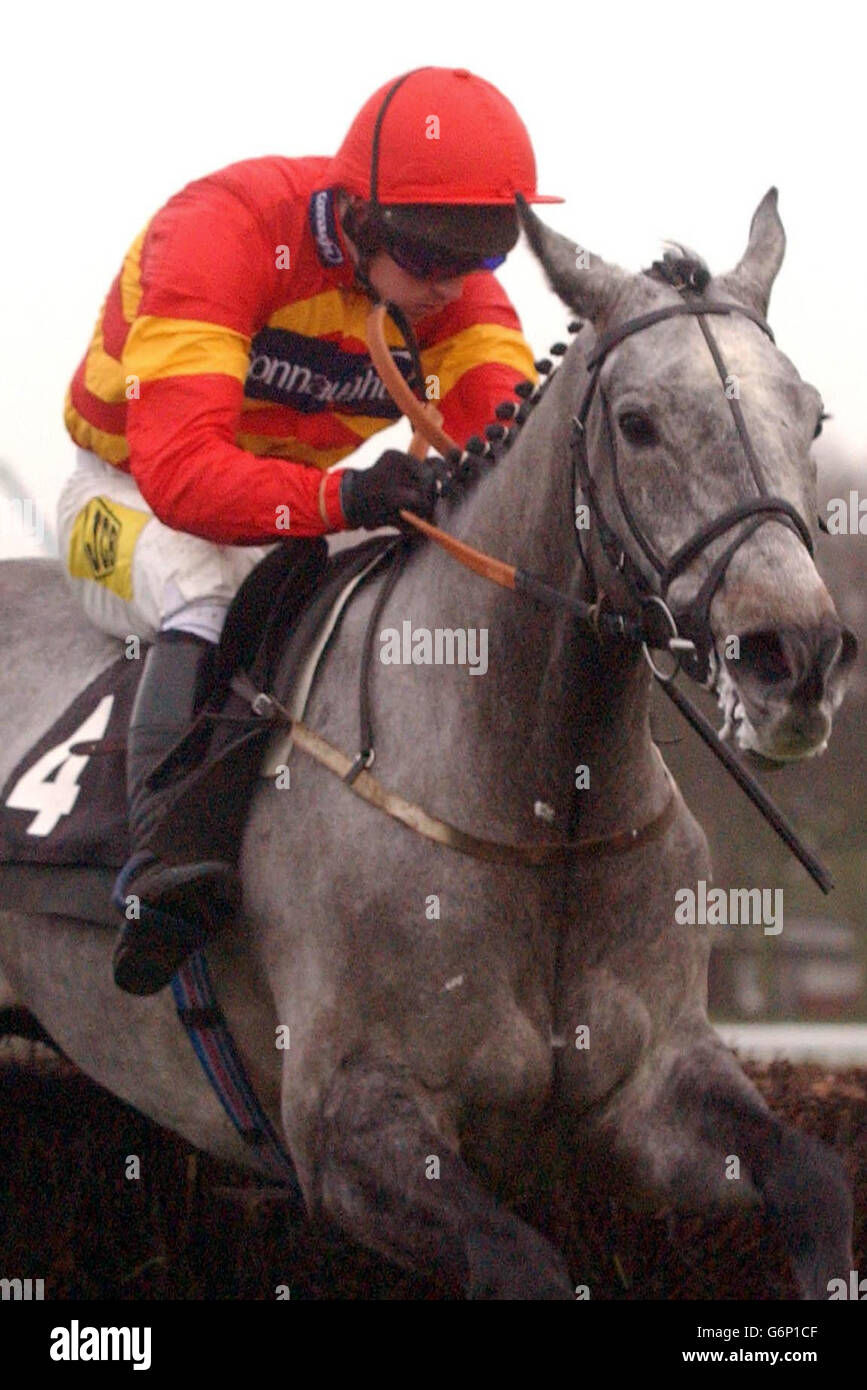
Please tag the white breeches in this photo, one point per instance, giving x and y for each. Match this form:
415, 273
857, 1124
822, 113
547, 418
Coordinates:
133, 575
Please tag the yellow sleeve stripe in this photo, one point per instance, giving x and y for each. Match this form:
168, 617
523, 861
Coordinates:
157, 348
111, 447
474, 346
103, 374
130, 279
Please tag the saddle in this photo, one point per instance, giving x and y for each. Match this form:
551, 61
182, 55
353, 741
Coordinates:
63, 859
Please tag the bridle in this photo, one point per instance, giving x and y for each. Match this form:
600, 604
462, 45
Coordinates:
687, 634
605, 622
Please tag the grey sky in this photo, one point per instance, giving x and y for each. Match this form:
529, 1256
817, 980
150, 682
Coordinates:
652, 121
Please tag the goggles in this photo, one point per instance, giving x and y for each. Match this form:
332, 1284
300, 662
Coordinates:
425, 262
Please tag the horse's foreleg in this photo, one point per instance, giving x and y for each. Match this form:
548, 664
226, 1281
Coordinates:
684, 1118
391, 1181
802, 1183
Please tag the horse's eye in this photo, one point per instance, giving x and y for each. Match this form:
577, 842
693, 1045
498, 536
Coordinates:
637, 428
818, 430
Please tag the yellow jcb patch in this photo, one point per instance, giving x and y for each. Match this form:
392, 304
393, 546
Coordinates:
101, 546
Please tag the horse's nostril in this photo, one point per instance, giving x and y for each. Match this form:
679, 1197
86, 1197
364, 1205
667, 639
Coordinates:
800, 658
762, 655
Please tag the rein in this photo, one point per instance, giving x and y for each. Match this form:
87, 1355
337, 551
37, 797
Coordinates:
646, 629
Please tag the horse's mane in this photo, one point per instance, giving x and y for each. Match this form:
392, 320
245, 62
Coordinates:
480, 455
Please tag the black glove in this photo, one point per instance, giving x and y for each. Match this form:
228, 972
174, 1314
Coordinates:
372, 497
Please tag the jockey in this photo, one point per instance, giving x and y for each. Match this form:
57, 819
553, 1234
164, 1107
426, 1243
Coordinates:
228, 372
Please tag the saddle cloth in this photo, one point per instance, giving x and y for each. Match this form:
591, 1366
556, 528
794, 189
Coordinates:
63, 811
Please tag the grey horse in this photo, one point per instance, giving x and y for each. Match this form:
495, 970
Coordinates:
450, 1020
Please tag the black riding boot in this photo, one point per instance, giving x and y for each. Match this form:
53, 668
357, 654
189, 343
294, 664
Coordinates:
171, 909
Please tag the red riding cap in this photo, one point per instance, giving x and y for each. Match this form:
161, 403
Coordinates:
438, 135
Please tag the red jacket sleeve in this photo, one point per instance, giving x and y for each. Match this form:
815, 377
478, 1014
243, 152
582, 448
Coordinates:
208, 275
196, 479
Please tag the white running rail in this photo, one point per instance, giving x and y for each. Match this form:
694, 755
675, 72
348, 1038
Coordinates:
827, 1044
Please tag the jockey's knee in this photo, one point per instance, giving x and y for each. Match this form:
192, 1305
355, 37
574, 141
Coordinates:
203, 617
135, 576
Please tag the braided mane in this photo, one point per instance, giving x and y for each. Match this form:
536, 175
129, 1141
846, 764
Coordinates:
681, 268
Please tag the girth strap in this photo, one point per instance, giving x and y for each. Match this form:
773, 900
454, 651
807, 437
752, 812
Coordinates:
213, 1044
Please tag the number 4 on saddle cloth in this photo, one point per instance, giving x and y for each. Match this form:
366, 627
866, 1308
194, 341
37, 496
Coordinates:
63, 811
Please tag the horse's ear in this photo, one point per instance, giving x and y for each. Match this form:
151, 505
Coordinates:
585, 282
754, 275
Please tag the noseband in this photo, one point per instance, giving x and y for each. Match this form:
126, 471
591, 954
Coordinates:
688, 634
